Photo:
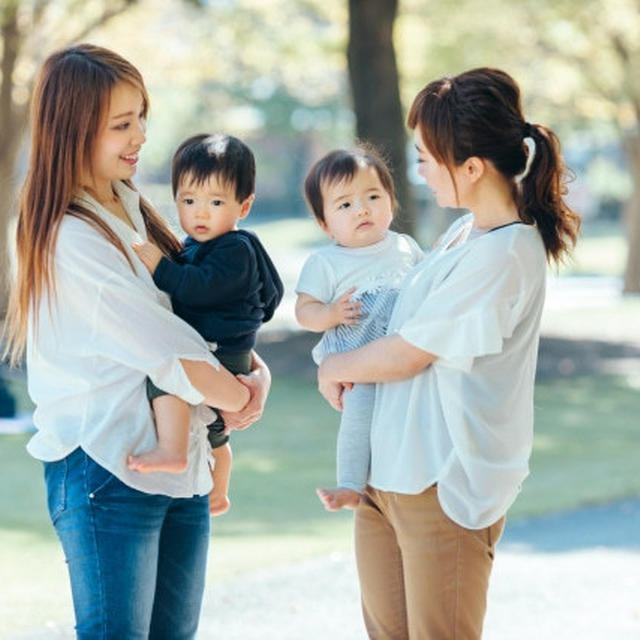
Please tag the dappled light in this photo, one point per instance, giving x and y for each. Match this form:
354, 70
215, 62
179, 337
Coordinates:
294, 80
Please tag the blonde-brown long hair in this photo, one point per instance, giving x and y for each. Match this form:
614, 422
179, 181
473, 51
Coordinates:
69, 104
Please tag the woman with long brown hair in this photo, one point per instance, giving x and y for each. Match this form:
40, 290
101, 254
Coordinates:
453, 420
94, 326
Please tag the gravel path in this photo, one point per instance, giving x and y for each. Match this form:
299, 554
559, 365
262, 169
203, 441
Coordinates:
574, 575
568, 576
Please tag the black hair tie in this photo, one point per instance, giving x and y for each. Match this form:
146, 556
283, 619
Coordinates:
527, 130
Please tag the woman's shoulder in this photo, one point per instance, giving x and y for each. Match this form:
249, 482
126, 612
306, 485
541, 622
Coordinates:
75, 231
521, 242
453, 230
82, 247
515, 253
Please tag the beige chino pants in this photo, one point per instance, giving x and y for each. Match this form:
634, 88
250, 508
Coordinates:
422, 576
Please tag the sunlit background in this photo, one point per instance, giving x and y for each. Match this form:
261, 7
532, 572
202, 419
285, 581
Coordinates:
275, 73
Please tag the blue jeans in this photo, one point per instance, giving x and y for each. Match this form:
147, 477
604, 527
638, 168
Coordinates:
136, 561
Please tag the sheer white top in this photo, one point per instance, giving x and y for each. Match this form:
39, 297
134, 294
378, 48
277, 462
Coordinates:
465, 422
105, 330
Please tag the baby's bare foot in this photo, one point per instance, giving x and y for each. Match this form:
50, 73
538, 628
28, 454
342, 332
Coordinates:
340, 498
218, 504
157, 460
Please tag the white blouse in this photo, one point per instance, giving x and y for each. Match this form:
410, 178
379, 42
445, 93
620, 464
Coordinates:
465, 422
104, 331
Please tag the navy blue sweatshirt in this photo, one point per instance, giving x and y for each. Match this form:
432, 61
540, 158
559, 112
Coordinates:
224, 288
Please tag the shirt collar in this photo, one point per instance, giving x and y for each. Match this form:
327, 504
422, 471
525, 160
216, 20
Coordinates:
130, 199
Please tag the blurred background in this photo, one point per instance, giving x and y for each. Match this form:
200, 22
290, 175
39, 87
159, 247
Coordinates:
295, 79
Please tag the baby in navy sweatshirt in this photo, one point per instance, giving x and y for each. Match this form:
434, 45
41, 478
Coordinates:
223, 284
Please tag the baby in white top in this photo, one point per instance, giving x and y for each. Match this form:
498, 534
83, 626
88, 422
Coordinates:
348, 289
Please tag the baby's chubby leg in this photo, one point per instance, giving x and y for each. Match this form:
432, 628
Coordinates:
173, 421
219, 502
353, 449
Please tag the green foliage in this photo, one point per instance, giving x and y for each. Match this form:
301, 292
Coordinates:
585, 446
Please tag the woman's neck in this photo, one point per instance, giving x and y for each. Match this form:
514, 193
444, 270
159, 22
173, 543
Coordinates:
105, 193
106, 196
493, 205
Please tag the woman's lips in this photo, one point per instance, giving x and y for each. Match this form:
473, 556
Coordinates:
130, 159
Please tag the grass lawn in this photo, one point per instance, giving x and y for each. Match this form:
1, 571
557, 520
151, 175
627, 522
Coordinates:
585, 451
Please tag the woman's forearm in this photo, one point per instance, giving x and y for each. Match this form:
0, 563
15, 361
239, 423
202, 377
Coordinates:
219, 387
385, 360
258, 383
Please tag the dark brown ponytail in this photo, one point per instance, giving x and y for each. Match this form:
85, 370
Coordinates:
540, 195
479, 113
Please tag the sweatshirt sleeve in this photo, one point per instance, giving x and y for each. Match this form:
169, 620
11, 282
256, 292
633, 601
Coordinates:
224, 274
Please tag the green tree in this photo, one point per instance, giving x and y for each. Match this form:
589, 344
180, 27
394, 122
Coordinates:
598, 43
576, 60
373, 74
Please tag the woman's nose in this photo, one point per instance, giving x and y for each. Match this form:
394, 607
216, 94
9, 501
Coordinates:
140, 132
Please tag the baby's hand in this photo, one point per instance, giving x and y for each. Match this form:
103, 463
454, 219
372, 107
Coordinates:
149, 254
345, 310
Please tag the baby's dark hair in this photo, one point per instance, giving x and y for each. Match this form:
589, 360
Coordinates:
340, 165
226, 157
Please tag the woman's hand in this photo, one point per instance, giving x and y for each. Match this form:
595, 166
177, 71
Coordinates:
331, 389
258, 382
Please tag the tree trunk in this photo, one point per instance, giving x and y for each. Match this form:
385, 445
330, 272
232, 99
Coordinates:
632, 217
376, 97
14, 39
13, 119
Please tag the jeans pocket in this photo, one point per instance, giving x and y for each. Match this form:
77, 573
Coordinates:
97, 478
55, 477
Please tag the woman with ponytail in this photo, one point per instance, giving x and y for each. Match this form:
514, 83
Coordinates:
453, 418
94, 327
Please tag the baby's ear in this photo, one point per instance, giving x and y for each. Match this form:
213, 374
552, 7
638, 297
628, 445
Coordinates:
246, 205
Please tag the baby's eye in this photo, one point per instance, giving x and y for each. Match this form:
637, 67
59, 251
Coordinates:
187, 200
374, 196
344, 205
217, 203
